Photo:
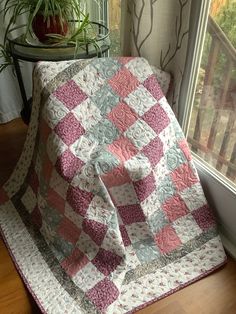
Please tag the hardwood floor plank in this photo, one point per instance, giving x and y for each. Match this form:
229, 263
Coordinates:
214, 294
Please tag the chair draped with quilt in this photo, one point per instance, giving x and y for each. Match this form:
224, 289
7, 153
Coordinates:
104, 212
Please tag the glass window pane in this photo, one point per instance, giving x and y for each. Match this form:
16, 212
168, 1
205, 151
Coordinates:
114, 26
212, 130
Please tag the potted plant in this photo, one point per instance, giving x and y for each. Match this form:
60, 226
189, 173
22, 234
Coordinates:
51, 21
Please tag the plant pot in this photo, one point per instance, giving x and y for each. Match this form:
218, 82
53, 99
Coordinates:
52, 25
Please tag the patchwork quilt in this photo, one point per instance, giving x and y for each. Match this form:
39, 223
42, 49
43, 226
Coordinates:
104, 212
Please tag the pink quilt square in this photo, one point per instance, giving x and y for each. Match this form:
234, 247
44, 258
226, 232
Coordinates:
185, 149
118, 176
36, 217
204, 217
175, 208
47, 169
95, 230
67, 165
122, 116
123, 148
33, 180
70, 94
184, 177
131, 214
145, 187
123, 82
124, 60
76, 261
106, 261
153, 87
157, 118
69, 231
154, 151
69, 129
56, 201
79, 200
167, 240
124, 235
103, 294
3, 196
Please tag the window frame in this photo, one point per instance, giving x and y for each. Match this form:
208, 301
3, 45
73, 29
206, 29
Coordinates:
197, 31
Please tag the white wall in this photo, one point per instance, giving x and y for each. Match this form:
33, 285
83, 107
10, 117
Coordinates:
223, 200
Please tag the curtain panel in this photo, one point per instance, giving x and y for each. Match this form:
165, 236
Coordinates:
158, 31
10, 98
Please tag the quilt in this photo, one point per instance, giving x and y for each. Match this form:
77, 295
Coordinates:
104, 212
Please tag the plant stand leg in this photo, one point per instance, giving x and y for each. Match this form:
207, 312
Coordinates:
26, 111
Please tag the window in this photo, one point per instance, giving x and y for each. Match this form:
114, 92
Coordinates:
212, 128
109, 14
114, 26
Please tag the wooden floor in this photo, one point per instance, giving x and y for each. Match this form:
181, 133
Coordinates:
215, 294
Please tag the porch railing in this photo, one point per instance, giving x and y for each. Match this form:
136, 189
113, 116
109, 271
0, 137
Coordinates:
214, 135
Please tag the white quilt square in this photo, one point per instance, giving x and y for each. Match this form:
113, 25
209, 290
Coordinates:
193, 197
138, 231
59, 184
165, 105
124, 195
151, 204
87, 179
186, 228
99, 210
138, 167
55, 147
113, 242
161, 171
87, 113
89, 80
87, 246
38, 165
83, 148
54, 111
131, 257
29, 200
73, 216
140, 133
168, 138
140, 68
140, 100
88, 277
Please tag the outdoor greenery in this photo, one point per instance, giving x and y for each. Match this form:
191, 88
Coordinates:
210, 95
226, 18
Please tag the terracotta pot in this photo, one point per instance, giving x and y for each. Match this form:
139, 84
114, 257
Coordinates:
52, 25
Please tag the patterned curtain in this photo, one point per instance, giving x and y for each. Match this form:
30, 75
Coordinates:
158, 30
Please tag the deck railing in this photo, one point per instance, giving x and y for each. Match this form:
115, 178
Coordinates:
214, 135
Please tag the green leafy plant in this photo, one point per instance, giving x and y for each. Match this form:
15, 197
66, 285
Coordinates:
6, 57
75, 26
226, 18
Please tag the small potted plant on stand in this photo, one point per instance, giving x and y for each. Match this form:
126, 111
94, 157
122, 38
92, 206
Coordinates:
53, 22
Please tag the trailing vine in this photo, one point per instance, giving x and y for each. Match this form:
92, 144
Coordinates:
136, 22
179, 37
